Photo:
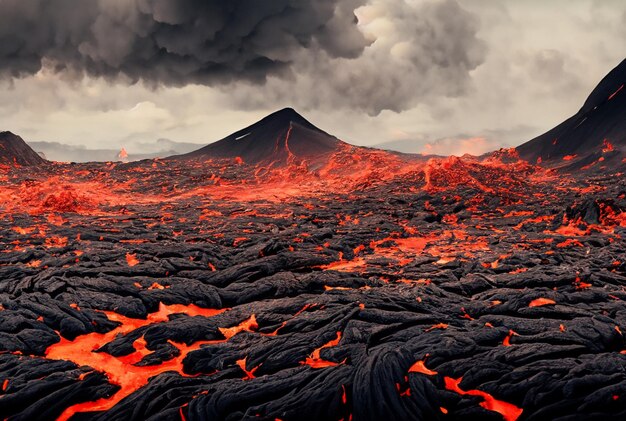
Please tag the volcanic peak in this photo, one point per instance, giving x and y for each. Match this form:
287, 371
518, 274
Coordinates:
282, 138
285, 117
595, 136
13, 150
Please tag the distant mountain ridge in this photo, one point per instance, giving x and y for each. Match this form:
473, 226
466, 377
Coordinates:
56, 151
597, 131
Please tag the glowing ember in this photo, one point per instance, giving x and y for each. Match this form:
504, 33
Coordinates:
606, 145
507, 340
437, 326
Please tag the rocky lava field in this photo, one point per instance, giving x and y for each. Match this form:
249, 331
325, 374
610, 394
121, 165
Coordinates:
308, 279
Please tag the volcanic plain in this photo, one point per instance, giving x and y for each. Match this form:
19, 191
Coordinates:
282, 274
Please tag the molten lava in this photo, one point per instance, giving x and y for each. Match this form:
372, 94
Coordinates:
131, 259
316, 361
248, 325
539, 302
509, 411
249, 373
121, 371
420, 367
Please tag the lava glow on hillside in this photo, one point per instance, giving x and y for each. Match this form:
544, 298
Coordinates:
348, 284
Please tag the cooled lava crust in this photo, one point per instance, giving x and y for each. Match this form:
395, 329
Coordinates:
375, 286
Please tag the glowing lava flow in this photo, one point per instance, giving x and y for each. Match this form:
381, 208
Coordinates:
420, 367
247, 325
316, 361
345, 265
539, 302
121, 371
507, 340
508, 411
291, 158
249, 373
616, 92
131, 259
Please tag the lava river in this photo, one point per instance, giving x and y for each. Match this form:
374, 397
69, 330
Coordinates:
122, 371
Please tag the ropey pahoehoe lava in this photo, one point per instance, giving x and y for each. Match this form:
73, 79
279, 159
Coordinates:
283, 274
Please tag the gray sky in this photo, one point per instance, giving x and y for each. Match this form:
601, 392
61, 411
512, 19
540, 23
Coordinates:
446, 77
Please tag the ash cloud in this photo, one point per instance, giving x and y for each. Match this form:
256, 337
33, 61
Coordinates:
422, 50
173, 42
308, 53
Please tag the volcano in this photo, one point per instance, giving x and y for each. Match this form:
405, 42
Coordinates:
596, 132
13, 150
280, 139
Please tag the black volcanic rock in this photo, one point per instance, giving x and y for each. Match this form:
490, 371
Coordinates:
13, 150
175, 297
280, 138
602, 117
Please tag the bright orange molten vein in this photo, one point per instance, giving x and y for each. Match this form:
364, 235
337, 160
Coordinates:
420, 367
131, 259
413, 244
508, 411
507, 340
345, 265
249, 373
316, 361
247, 325
121, 371
541, 302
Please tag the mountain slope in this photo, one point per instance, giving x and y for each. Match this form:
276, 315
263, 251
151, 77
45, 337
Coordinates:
13, 150
598, 128
281, 138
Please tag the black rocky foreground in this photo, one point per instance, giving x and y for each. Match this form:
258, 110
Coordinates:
452, 289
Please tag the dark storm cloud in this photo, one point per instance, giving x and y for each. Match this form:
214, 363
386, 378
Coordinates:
173, 42
423, 50
311, 54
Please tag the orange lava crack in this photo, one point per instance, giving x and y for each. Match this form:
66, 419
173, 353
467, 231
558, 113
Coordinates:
122, 371
508, 411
